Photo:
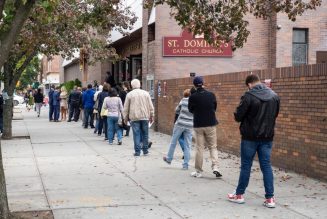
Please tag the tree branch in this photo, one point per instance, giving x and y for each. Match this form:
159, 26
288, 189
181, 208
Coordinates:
11, 34
18, 72
2, 6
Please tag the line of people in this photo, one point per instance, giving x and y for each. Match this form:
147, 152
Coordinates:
112, 109
257, 113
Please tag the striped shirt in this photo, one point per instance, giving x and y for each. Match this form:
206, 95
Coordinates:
185, 118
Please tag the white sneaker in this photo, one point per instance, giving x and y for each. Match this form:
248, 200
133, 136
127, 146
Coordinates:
236, 198
196, 174
270, 203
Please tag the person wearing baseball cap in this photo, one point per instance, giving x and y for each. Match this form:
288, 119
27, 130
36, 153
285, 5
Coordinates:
203, 105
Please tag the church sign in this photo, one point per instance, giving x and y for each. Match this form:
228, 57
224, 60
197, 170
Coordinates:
189, 45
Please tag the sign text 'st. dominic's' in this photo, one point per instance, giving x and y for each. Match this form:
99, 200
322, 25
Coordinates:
187, 45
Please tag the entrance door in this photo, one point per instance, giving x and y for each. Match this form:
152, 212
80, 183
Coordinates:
137, 67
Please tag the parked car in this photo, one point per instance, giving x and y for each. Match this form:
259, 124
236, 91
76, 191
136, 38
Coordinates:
18, 100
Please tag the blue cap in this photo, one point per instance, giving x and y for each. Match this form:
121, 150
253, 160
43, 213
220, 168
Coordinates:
198, 80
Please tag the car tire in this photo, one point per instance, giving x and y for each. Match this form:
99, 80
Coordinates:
16, 103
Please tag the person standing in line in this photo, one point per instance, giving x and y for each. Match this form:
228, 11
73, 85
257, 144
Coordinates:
110, 79
38, 99
50, 95
63, 103
96, 113
126, 88
74, 102
115, 108
56, 104
203, 105
103, 124
139, 110
1, 113
88, 103
257, 113
82, 107
183, 127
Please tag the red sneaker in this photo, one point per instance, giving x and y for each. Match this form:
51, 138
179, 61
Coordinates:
270, 203
236, 198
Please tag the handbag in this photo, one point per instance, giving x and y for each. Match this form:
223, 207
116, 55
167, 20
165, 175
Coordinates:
104, 112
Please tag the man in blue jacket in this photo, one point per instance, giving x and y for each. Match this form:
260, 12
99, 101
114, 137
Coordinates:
88, 104
51, 103
56, 104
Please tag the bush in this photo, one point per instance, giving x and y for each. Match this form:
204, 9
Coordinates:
69, 85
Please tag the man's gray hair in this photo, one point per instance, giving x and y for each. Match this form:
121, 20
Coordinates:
136, 83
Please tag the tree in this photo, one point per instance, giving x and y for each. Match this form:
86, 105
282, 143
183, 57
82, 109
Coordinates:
13, 14
29, 75
55, 27
61, 28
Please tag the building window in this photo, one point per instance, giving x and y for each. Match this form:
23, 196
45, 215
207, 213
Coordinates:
300, 47
49, 65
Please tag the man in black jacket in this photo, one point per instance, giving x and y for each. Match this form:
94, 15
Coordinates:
257, 113
74, 102
203, 105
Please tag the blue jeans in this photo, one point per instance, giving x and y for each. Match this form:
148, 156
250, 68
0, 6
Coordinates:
140, 131
248, 151
181, 142
113, 128
51, 112
56, 112
187, 137
88, 117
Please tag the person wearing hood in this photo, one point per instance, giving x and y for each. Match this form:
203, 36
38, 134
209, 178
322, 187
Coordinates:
257, 113
88, 104
96, 113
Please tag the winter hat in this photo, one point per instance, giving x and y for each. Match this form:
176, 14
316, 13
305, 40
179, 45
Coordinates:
198, 81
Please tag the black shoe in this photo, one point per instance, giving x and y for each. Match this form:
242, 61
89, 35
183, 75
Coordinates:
218, 175
85, 127
120, 143
183, 158
106, 139
150, 144
136, 155
92, 127
166, 160
69, 120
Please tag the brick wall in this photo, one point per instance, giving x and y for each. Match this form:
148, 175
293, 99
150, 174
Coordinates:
301, 132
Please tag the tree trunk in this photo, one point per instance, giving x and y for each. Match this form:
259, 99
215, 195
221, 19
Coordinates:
8, 104
8, 37
4, 209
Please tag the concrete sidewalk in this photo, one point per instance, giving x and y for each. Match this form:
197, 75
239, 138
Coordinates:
76, 174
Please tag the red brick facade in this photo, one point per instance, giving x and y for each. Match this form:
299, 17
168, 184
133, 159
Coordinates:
300, 143
268, 46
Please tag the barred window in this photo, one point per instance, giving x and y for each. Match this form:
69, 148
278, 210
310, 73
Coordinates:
300, 47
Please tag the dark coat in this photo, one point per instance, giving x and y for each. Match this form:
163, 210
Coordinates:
101, 97
203, 105
38, 97
51, 96
75, 97
257, 112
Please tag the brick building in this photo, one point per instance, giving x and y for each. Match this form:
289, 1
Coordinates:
276, 42
50, 71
